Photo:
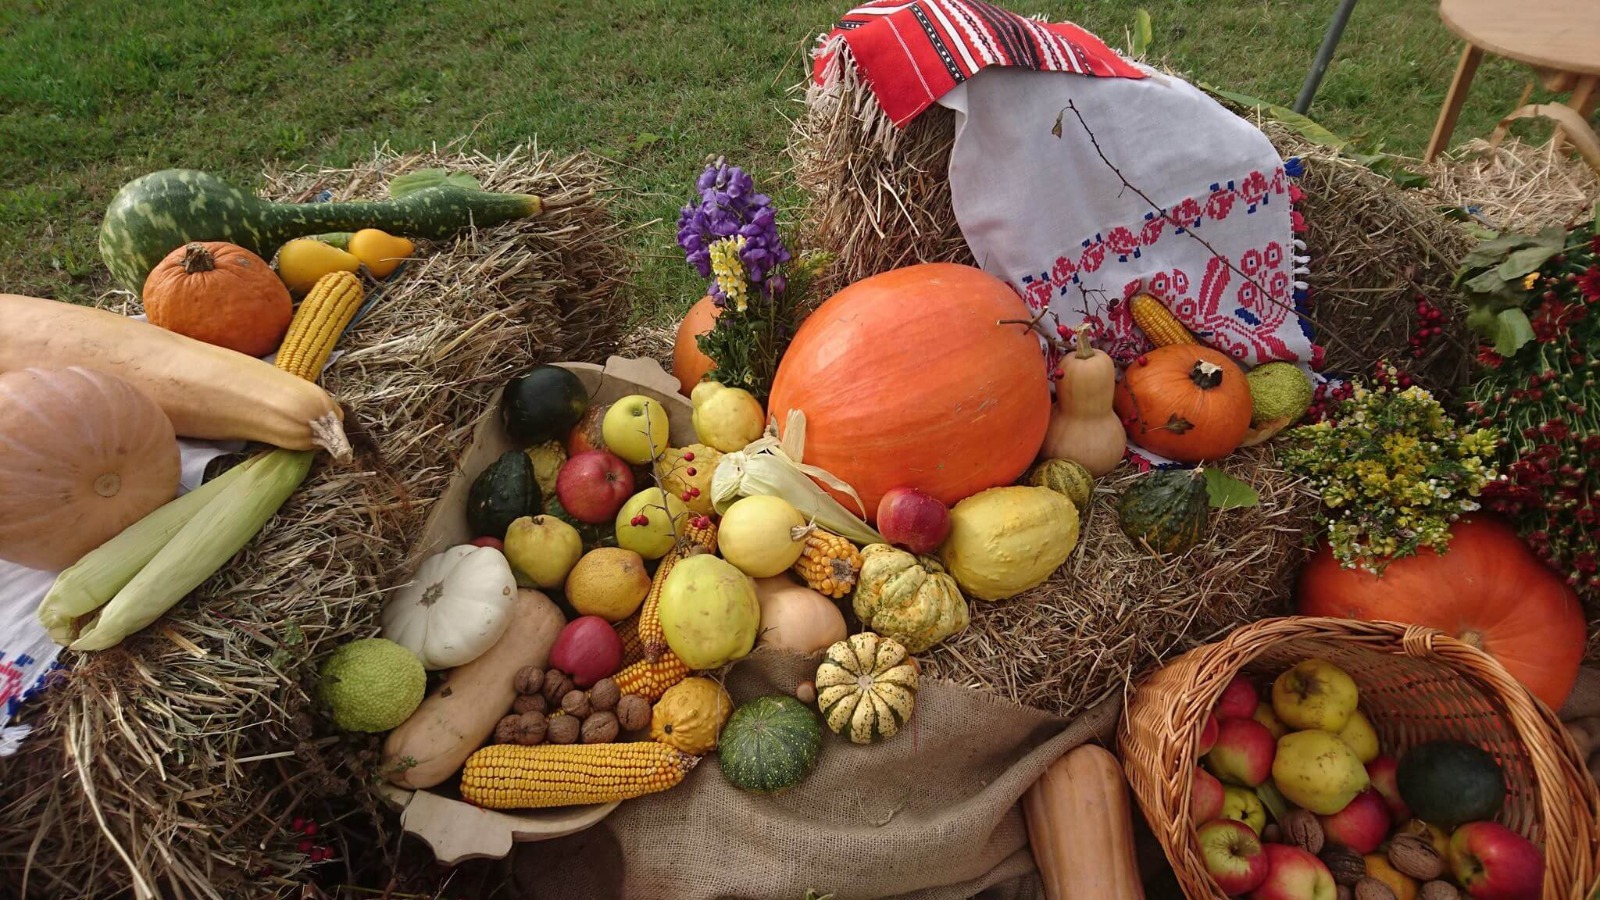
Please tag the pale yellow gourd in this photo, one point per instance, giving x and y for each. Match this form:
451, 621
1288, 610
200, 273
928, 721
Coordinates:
1083, 426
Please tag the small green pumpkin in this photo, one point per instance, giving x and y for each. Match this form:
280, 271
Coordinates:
1166, 509
505, 492
1064, 477
769, 744
866, 687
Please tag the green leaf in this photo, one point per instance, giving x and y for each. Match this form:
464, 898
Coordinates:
1301, 125
1514, 330
422, 179
1526, 260
1142, 34
1482, 319
1227, 492
1489, 281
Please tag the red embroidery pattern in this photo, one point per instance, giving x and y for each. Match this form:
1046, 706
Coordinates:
10, 683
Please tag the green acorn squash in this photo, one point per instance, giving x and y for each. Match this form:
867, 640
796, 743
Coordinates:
769, 744
542, 404
505, 492
1166, 509
1447, 783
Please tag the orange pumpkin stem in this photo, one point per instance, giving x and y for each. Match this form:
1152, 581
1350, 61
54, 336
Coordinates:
196, 258
1206, 375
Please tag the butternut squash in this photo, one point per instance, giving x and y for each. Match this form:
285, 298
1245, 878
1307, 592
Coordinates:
1080, 828
460, 715
207, 391
1083, 427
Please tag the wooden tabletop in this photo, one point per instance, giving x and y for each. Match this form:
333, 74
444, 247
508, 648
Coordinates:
1552, 34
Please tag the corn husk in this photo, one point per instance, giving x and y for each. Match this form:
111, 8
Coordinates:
774, 466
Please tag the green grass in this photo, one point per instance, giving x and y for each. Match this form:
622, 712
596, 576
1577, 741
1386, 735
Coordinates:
96, 92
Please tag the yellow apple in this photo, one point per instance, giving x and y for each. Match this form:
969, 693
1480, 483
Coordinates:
1316, 770
1315, 694
650, 523
1267, 717
1359, 736
542, 549
1242, 805
636, 428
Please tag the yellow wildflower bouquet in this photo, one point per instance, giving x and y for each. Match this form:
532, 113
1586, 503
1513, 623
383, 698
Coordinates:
1394, 470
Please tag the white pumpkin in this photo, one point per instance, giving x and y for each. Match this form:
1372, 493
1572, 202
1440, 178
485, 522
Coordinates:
455, 608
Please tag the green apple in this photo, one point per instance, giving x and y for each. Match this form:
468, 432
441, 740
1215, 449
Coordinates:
1242, 805
650, 522
636, 428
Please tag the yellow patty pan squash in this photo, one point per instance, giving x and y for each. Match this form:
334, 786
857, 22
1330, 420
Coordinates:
906, 598
1006, 540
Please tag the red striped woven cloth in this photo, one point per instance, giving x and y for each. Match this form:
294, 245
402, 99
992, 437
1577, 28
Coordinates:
912, 52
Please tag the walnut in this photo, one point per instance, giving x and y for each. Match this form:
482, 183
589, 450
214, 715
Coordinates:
1415, 855
529, 680
531, 728
1438, 890
556, 686
1373, 889
806, 692
527, 703
562, 730
575, 703
633, 712
1347, 866
1271, 833
604, 695
1301, 829
506, 731
600, 728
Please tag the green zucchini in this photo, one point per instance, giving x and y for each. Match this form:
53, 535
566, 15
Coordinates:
156, 213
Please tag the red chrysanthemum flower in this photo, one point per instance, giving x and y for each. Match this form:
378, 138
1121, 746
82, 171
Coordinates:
1489, 358
1589, 284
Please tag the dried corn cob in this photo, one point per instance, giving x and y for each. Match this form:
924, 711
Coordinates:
700, 532
513, 776
651, 678
317, 324
632, 647
1159, 325
829, 563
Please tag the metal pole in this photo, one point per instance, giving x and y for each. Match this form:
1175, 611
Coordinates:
1319, 67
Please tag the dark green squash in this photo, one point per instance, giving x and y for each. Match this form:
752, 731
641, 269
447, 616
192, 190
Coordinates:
1166, 509
542, 404
1448, 783
505, 492
769, 744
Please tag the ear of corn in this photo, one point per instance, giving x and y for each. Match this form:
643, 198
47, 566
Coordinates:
694, 535
650, 678
1159, 325
632, 647
514, 776
323, 316
829, 563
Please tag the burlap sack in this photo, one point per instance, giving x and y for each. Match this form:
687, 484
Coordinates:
931, 814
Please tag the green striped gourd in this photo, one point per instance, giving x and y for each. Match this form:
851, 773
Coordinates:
155, 213
769, 744
1064, 477
1166, 509
866, 687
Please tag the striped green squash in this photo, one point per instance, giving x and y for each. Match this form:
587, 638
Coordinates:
155, 213
866, 687
1166, 509
769, 744
1064, 477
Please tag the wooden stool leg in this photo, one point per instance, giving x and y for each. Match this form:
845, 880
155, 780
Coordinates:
1584, 94
1465, 69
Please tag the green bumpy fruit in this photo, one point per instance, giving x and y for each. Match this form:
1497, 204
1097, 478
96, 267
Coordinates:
1278, 390
372, 684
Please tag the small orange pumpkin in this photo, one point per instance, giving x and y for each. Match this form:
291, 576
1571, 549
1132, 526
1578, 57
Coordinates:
1186, 402
219, 293
689, 365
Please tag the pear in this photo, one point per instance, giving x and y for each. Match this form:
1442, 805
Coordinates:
1315, 694
1318, 771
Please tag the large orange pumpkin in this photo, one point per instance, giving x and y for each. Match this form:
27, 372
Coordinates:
907, 379
689, 365
219, 293
1487, 589
1186, 402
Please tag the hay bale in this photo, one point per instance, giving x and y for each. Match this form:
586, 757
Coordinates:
1516, 186
170, 766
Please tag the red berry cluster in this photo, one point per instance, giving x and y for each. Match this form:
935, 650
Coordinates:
1325, 400
307, 845
1430, 325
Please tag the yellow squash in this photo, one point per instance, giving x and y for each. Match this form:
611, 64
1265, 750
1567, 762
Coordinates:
1006, 540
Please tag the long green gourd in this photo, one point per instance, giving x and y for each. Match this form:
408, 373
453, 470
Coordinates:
157, 213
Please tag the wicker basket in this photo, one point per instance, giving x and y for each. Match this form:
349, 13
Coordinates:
1416, 685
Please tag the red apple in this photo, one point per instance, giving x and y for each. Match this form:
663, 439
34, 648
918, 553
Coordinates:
1205, 797
1244, 752
1495, 863
1361, 825
1238, 700
593, 485
1381, 772
585, 435
1294, 874
911, 519
1208, 734
588, 649
487, 541
1233, 855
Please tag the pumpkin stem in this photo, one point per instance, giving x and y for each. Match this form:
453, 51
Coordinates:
1472, 638
1206, 375
196, 258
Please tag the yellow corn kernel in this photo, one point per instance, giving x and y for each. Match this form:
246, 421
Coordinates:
323, 316
829, 563
701, 533
632, 647
651, 678
513, 776
1159, 325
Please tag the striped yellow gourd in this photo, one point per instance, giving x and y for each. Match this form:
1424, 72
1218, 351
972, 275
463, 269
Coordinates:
1159, 325
323, 316
829, 563
514, 776
701, 533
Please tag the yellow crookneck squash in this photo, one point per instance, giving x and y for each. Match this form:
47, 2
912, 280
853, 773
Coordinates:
1083, 426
